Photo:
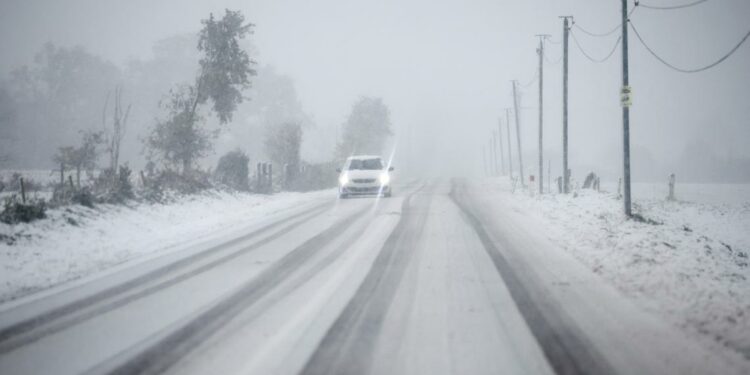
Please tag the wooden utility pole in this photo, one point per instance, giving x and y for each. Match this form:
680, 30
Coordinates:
500, 144
494, 154
566, 174
625, 98
518, 133
510, 154
484, 160
540, 51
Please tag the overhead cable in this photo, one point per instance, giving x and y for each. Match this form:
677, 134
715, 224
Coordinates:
580, 48
608, 33
670, 7
682, 70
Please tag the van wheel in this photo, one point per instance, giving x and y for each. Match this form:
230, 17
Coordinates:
343, 196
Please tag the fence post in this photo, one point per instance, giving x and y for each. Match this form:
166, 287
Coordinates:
270, 178
671, 187
72, 187
286, 172
23, 191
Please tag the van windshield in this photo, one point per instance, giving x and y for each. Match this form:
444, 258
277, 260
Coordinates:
366, 164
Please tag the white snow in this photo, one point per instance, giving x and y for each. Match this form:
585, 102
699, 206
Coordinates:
75, 241
692, 268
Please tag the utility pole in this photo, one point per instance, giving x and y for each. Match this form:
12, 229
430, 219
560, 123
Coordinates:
518, 133
500, 143
625, 98
510, 154
493, 165
566, 175
484, 160
540, 51
495, 152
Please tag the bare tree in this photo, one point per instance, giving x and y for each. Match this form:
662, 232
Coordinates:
83, 158
119, 126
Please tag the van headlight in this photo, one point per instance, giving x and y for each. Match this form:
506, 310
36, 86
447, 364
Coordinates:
343, 180
385, 179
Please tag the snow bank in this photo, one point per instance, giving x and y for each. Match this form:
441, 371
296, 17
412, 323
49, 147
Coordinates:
76, 241
692, 268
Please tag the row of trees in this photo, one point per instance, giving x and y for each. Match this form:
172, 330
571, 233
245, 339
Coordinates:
58, 101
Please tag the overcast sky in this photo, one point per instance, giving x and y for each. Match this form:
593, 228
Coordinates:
444, 67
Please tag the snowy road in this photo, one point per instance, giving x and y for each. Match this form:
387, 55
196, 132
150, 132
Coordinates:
440, 278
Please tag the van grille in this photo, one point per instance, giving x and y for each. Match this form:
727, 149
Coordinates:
363, 180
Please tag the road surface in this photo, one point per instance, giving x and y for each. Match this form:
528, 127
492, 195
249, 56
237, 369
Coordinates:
438, 279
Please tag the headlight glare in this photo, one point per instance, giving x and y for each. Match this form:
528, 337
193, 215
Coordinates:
385, 179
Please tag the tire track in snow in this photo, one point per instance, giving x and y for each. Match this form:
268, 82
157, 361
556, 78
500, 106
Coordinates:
55, 320
162, 352
566, 348
349, 343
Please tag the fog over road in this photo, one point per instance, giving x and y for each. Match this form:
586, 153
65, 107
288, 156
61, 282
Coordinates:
440, 278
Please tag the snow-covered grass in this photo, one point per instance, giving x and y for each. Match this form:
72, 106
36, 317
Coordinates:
691, 267
733, 194
75, 241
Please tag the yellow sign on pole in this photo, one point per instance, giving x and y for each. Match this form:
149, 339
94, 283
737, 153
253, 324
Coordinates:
626, 98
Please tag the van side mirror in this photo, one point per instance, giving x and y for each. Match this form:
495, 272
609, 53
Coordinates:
390, 169
338, 170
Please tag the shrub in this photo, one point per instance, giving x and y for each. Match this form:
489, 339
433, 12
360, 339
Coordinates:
15, 212
158, 186
233, 171
124, 187
114, 189
84, 197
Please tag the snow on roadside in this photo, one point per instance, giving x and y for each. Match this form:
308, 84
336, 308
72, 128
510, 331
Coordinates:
76, 241
692, 268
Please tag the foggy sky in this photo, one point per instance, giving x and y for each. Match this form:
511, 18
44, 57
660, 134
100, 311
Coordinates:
444, 69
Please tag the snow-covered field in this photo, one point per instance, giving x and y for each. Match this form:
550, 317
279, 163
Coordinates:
717, 194
76, 241
691, 267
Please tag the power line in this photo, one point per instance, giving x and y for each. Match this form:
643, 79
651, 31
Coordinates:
553, 62
717, 62
526, 85
614, 48
608, 33
670, 7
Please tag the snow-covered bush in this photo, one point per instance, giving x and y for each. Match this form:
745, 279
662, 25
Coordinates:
15, 211
232, 170
111, 188
166, 183
84, 197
